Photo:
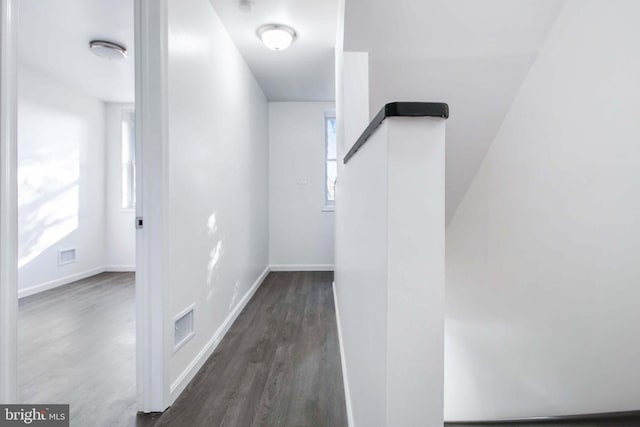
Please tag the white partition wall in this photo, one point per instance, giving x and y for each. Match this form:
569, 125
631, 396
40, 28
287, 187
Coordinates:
361, 279
390, 273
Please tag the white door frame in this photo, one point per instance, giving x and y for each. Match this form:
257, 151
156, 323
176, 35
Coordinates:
152, 351
8, 205
153, 334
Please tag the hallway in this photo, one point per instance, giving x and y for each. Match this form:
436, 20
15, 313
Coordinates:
279, 364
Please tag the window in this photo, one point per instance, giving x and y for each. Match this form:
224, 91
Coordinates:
128, 160
331, 164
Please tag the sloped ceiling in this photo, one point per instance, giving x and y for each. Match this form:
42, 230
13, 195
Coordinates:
472, 54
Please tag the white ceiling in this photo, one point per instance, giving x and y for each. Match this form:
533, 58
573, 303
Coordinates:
305, 71
54, 35
473, 55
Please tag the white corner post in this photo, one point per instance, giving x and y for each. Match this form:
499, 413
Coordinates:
152, 330
415, 276
390, 273
8, 205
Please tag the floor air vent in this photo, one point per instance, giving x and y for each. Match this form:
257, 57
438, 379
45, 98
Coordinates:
183, 328
66, 256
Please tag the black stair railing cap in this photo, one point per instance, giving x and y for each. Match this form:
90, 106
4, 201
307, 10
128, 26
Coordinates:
399, 109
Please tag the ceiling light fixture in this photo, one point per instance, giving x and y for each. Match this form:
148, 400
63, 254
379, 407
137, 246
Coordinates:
108, 50
276, 36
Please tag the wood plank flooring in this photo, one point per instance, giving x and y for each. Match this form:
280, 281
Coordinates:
279, 364
77, 346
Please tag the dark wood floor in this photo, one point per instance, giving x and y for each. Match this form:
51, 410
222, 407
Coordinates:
77, 346
279, 364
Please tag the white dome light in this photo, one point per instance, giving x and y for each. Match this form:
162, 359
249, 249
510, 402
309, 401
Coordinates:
276, 37
108, 50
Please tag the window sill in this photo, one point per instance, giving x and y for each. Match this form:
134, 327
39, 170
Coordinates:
328, 209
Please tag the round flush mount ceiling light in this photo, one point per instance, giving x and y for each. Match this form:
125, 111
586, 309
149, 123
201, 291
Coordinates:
276, 36
108, 50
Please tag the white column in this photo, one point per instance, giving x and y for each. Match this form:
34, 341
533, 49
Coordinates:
153, 330
415, 276
390, 273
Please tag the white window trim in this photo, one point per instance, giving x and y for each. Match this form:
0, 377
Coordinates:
123, 116
327, 206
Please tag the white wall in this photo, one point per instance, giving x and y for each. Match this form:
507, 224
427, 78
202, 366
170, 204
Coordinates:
120, 250
542, 255
60, 181
218, 179
352, 116
300, 229
361, 271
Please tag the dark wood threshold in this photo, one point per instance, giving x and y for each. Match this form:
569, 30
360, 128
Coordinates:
632, 417
147, 419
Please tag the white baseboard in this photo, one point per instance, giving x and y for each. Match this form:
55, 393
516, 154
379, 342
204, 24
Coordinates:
345, 377
120, 268
302, 267
187, 375
32, 290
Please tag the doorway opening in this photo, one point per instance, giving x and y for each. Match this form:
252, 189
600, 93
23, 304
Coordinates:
76, 204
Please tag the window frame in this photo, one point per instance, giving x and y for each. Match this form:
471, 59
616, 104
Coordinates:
127, 115
328, 205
